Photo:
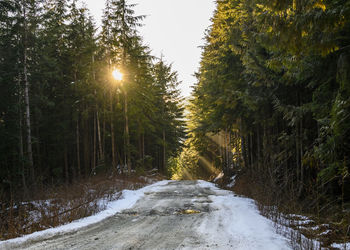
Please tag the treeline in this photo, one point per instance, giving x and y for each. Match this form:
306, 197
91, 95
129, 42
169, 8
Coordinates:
274, 81
62, 115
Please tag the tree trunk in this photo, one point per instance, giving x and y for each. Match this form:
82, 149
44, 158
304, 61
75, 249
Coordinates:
250, 140
26, 99
264, 147
143, 148
94, 145
127, 136
301, 185
229, 150
164, 151
96, 154
243, 148
125, 150
20, 132
297, 154
78, 149
86, 144
21, 153
140, 146
66, 167
100, 157
112, 136
104, 135
225, 151
258, 145
221, 149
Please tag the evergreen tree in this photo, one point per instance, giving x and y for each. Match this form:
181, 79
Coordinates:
170, 106
119, 28
272, 80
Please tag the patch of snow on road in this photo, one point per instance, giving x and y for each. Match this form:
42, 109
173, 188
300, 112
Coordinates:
127, 200
235, 223
205, 184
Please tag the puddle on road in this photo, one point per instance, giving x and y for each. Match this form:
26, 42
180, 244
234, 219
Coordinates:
190, 211
163, 212
130, 213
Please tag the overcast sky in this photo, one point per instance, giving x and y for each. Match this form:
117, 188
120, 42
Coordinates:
174, 28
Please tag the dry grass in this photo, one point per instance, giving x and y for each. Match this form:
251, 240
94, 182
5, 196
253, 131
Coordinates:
306, 228
57, 206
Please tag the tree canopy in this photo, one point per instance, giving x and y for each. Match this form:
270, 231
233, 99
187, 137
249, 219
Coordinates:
62, 115
274, 84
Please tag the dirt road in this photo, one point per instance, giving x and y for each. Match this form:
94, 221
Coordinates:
177, 215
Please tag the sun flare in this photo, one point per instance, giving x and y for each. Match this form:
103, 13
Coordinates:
117, 75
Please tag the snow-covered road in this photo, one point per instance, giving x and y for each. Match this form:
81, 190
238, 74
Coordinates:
165, 215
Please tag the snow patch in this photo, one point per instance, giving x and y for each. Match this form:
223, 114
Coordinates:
235, 223
205, 184
220, 176
126, 201
232, 183
341, 245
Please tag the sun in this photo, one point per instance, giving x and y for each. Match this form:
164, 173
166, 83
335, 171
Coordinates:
117, 75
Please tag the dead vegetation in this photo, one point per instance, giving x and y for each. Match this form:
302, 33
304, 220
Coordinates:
301, 221
56, 206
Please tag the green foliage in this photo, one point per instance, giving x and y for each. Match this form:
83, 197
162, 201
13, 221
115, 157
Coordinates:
276, 74
185, 166
77, 109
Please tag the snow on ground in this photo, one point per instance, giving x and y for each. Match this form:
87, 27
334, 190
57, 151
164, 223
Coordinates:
232, 221
341, 246
127, 200
232, 182
236, 222
220, 176
292, 226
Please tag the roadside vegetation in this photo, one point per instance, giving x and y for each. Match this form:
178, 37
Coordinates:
84, 111
77, 101
61, 205
271, 106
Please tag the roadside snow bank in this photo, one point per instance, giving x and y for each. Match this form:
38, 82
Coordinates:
127, 200
235, 223
232, 183
219, 177
341, 245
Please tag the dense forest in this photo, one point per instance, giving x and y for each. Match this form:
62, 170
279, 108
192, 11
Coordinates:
63, 116
272, 100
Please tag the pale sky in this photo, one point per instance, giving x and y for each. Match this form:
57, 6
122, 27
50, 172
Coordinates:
174, 28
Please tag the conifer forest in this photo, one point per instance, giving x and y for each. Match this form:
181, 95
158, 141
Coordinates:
271, 104
63, 115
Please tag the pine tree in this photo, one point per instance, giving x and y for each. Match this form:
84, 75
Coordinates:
120, 25
171, 110
273, 75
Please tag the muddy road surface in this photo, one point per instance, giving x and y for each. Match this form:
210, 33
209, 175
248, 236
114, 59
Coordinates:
175, 215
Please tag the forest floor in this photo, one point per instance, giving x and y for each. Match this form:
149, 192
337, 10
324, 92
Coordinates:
165, 215
55, 206
304, 230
